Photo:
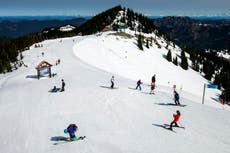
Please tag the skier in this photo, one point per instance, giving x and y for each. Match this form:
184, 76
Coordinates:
154, 78
62, 86
152, 88
112, 82
71, 129
175, 120
176, 98
139, 84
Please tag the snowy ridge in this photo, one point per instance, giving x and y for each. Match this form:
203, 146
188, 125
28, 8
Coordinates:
122, 120
224, 54
66, 28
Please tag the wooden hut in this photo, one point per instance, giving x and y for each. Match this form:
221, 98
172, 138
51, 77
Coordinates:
43, 68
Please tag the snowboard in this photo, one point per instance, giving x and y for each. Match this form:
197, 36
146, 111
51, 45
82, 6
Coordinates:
70, 140
168, 125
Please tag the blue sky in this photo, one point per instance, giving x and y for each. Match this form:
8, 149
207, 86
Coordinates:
92, 7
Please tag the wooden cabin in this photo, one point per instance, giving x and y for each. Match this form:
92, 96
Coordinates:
43, 68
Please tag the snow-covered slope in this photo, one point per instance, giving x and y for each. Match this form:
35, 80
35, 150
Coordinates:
122, 120
120, 55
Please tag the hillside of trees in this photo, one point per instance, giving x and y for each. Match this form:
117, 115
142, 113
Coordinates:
203, 34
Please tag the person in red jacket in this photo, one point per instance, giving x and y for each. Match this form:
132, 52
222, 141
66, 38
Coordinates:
175, 120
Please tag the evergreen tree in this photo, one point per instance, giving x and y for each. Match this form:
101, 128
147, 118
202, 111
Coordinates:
1, 66
147, 43
169, 56
208, 69
151, 41
184, 62
225, 95
5, 61
217, 80
139, 42
21, 56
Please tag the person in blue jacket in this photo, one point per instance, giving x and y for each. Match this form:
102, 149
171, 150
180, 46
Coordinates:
71, 129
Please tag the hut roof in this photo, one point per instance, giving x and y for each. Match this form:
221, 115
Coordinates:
43, 64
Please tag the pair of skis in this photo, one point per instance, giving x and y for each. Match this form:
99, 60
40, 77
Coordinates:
70, 140
167, 126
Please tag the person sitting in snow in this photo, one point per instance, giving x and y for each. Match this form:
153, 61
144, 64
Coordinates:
176, 98
71, 129
176, 118
54, 89
139, 84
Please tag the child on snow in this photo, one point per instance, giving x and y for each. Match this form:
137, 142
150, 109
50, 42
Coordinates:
139, 84
54, 89
112, 82
153, 84
176, 98
152, 88
62, 85
71, 129
175, 120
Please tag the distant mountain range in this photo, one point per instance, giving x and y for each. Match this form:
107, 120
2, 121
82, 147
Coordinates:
196, 32
16, 27
202, 34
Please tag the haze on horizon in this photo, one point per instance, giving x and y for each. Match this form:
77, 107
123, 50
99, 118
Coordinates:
93, 7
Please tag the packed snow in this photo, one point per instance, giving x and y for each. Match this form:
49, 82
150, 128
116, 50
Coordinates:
122, 120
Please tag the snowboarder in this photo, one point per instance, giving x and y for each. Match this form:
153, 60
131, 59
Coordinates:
62, 86
176, 98
175, 120
112, 82
139, 84
71, 129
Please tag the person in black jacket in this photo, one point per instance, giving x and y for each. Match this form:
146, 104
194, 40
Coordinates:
176, 98
139, 84
112, 82
62, 85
